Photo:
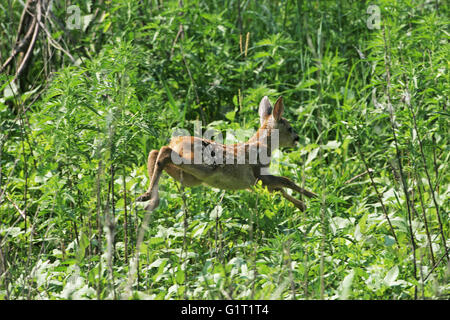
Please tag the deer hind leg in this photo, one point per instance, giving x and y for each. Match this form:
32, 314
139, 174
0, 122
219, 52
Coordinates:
183, 177
150, 168
161, 161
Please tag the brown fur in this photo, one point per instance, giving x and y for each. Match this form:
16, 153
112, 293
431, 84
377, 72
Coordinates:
228, 176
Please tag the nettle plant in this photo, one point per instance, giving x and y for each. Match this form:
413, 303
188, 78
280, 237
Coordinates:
366, 91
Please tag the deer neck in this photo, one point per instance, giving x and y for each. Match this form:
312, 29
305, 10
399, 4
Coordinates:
264, 138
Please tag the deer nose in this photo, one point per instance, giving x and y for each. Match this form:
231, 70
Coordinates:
296, 139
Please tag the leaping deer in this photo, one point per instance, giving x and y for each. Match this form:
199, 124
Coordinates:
242, 167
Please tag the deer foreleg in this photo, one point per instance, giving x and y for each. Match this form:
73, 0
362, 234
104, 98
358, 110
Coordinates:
277, 182
298, 203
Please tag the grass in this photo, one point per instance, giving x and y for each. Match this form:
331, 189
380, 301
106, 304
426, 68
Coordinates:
370, 105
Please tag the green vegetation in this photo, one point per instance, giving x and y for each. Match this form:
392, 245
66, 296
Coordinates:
77, 123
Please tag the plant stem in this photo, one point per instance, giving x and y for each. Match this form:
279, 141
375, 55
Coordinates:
387, 64
125, 218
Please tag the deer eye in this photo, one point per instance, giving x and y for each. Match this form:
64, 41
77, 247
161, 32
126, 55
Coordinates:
290, 129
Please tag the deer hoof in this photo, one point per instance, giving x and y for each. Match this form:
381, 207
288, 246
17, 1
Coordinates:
152, 204
300, 205
145, 197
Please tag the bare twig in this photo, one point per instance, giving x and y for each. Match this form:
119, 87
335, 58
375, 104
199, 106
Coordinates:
436, 264
55, 44
19, 48
22, 212
425, 167
380, 199
7, 181
322, 243
407, 100
179, 34
254, 250
430, 244
288, 261
125, 218
28, 54
369, 170
185, 227
21, 45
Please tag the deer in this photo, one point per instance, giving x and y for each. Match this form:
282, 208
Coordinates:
244, 165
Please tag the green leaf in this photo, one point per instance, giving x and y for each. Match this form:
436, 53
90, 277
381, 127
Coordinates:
306, 84
389, 241
10, 91
172, 103
179, 276
391, 276
346, 285
216, 212
331, 145
156, 240
106, 27
199, 230
230, 115
82, 245
362, 223
312, 155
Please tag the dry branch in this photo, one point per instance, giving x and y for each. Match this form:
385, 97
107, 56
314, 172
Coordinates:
370, 170
26, 58
21, 45
22, 212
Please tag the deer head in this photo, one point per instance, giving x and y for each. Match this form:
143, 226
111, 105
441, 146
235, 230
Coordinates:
274, 120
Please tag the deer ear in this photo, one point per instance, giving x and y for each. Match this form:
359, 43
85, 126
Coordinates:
278, 109
265, 109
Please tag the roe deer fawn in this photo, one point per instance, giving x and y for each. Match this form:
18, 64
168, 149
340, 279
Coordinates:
242, 168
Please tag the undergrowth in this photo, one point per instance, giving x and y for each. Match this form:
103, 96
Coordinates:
370, 105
